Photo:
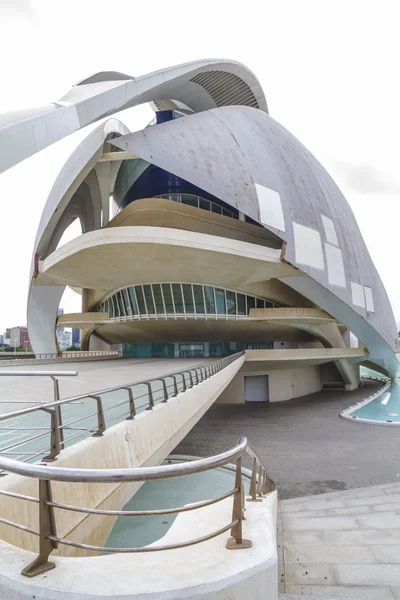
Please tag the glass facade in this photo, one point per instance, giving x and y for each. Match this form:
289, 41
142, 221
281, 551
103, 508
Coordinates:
163, 300
199, 202
190, 349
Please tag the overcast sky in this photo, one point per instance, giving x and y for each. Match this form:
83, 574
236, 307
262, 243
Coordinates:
329, 69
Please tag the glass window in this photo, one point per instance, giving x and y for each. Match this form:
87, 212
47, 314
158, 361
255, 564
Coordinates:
226, 213
215, 208
268, 304
220, 299
241, 304
251, 303
121, 304
132, 297
198, 298
188, 298
204, 204
176, 289
127, 303
149, 299
169, 306
209, 296
259, 303
140, 299
111, 312
190, 200
158, 298
231, 302
116, 306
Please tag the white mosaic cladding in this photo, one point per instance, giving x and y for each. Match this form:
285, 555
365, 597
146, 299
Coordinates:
357, 293
270, 204
334, 261
369, 299
330, 231
308, 246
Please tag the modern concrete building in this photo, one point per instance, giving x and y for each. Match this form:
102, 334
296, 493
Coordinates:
227, 235
19, 337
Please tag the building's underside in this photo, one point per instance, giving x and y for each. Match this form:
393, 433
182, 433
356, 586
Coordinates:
227, 234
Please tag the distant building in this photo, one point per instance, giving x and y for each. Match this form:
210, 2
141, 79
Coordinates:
76, 337
60, 312
19, 337
63, 339
7, 335
1, 340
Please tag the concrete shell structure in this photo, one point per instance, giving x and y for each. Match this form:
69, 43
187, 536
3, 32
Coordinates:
222, 202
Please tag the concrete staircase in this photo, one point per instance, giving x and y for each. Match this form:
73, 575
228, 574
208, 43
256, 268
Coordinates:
341, 545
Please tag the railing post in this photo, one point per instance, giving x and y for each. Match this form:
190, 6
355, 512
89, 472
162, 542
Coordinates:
101, 424
236, 540
58, 408
253, 484
165, 390
191, 379
260, 482
151, 399
197, 376
184, 382
132, 408
175, 386
55, 442
46, 527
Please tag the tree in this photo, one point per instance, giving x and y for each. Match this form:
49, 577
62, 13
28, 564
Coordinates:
72, 349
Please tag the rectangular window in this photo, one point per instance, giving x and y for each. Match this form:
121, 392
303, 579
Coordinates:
204, 204
188, 298
169, 306
127, 303
116, 306
121, 304
132, 297
220, 299
231, 303
190, 200
216, 209
251, 303
158, 298
260, 303
176, 289
268, 304
241, 304
198, 298
140, 299
209, 296
149, 299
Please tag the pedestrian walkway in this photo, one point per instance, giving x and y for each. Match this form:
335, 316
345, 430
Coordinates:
341, 545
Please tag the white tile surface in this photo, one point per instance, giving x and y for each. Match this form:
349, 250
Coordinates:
270, 204
357, 293
369, 299
334, 261
330, 231
308, 246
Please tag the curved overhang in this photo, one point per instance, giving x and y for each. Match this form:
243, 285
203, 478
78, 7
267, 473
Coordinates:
104, 260
201, 85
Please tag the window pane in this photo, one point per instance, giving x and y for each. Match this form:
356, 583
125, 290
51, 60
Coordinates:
149, 299
251, 303
111, 311
205, 204
121, 304
268, 304
259, 303
134, 305
166, 288
226, 213
231, 303
158, 298
198, 298
127, 304
220, 298
209, 296
188, 298
116, 306
190, 200
140, 299
216, 209
241, 303
176, 289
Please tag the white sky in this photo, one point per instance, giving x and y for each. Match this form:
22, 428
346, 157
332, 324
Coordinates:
329, 69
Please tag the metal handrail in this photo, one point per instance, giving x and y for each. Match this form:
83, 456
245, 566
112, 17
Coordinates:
171, 385
48, 538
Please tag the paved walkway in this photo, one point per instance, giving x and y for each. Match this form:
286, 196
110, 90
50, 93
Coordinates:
92, 376
305, 446
342, 545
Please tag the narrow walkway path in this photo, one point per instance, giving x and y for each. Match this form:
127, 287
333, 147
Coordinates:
342, 545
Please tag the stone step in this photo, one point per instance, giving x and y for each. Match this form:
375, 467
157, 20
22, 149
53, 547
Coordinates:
375, 490
393, 509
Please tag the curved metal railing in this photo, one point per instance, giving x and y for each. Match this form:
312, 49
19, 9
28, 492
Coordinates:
49, 540
66, 424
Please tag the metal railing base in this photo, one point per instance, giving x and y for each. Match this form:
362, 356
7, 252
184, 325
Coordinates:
232, 544
37, 567
250, 499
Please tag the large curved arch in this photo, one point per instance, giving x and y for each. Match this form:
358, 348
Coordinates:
201, 85
76, 193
